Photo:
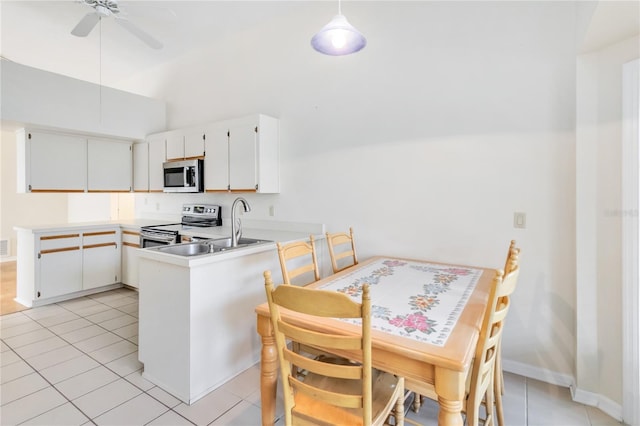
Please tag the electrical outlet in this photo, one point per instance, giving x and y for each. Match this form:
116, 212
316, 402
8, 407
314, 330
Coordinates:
272, 211
519, 220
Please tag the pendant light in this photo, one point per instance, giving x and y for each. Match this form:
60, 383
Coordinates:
338, 37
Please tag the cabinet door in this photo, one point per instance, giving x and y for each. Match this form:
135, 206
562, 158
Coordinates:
130, 245
216, 162
55, 162
242, 158
194, 142
157, 157
141, 167
175, 145
100, 258
109, 166
59, 265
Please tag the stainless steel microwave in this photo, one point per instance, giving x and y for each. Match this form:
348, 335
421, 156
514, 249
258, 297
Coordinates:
184, 176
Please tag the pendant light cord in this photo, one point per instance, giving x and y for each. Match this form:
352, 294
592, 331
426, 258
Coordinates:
100, 74
339, 8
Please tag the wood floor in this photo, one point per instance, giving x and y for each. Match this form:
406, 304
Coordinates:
8, 289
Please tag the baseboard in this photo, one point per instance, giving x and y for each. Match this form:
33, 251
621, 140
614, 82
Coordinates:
8, 259
604, 404
537, 373
592, 399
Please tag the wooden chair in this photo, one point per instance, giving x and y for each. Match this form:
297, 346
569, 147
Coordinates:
330, 394
297, 251
342, 239
511, 263
480, 381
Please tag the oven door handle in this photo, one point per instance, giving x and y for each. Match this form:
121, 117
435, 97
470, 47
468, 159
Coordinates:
158, 237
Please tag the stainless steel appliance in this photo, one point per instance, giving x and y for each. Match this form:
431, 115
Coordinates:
184, 176
193, 216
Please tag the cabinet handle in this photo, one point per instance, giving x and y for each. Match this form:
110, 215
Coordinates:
130, 244
93, 234
90, 246
55, 237
137, 234
57, 250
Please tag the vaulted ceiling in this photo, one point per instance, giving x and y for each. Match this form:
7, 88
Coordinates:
38, 33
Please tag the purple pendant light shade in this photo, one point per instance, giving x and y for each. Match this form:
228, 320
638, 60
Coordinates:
338, 37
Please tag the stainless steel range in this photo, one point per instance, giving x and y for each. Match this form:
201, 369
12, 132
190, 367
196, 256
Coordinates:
193, 216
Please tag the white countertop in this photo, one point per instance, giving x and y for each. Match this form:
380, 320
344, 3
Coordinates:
62, 227
225, 232
282, 232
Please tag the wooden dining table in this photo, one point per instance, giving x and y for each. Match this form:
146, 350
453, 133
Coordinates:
426, 319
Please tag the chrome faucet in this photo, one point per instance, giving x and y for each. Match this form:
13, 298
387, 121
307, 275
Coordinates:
236, 224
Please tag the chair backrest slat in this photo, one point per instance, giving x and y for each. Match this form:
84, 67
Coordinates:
340, 240
296, 252
322, 304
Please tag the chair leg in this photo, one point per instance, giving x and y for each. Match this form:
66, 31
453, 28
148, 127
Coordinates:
498, 385
399, 410
417, 402
489, 421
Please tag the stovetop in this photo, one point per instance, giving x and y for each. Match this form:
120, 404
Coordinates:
194, 216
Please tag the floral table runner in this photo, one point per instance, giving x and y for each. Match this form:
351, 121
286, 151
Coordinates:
422, 301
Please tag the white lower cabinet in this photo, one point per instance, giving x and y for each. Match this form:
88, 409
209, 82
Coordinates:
54, 266
59, 265
100, 258
130, 245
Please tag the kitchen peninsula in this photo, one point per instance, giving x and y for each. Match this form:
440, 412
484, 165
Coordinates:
197, 325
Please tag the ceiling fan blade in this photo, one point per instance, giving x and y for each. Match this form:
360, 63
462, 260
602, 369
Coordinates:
136, 31
86, 24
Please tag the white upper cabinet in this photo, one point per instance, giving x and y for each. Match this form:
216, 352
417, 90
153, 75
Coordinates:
109, 166
157, 156
141, 167
243, 155
50, 162
185, 144
216, 163
243, 163
175, 145
194, 142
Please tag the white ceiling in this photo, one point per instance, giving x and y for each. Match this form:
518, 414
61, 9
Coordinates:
37, 33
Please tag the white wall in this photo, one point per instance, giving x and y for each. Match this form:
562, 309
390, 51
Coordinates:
23, 209
454, 116
599, 214
35, 97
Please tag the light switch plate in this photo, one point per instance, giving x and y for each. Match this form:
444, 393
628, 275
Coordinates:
519, 220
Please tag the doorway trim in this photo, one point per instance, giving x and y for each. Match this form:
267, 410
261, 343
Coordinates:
630, 242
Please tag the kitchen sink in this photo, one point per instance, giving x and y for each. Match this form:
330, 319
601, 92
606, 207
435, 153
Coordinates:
226, 242
208, 246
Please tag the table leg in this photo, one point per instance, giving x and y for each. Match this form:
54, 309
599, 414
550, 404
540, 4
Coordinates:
450, 389
268, 371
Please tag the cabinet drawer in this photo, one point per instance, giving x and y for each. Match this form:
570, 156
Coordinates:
99, 238
59, 242
131, 238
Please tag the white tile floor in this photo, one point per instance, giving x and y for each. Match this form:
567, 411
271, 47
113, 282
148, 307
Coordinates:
76, 363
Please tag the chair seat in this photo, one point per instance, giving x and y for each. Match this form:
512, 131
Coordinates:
311, 411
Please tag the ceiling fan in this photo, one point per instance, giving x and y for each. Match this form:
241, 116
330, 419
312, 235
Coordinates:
110, 8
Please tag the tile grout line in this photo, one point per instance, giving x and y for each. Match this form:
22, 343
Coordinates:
120, 377
80, 350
